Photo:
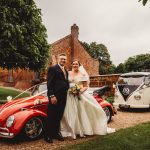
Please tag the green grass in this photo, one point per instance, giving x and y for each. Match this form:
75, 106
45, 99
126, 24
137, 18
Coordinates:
135, 138
4, 92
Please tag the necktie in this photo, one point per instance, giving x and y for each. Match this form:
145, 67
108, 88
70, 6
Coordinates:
63, 69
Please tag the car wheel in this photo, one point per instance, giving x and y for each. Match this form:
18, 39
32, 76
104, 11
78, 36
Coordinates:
33, 128
108, 113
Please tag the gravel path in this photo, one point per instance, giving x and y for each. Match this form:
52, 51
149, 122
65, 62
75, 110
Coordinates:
123, 119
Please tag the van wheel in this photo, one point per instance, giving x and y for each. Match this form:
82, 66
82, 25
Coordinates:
108, 113
33, 128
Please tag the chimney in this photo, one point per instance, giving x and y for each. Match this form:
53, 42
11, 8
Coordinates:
74, 39
74, 31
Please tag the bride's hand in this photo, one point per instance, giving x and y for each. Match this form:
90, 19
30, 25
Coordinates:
84, 87
83, 90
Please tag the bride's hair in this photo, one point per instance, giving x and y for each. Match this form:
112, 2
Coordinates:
77, 61
82, 70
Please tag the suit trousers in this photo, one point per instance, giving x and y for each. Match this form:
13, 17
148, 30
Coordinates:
55, 114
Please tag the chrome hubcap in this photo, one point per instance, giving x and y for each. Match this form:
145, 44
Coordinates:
33, 128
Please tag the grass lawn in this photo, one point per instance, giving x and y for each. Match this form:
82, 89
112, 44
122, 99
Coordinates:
4, 92
135, 138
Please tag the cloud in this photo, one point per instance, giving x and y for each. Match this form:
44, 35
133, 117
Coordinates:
122, 25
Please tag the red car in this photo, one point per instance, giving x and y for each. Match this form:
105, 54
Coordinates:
27, 115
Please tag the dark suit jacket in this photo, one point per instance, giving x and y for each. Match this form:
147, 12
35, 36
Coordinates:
56, 82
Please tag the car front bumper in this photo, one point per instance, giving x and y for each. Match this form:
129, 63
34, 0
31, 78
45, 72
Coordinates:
4, 132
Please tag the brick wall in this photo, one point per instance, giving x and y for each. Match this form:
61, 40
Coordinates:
22, 79
62, 46
102, 80
3, 75
91, 65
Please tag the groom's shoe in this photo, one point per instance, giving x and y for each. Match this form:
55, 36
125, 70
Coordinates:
48, 139
59, 137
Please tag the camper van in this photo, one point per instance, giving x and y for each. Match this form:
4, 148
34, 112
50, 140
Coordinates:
132, 90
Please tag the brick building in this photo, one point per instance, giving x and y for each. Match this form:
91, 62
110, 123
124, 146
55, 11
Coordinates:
69, 45
73, 48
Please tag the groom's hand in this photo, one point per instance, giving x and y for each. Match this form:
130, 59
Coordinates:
54, 100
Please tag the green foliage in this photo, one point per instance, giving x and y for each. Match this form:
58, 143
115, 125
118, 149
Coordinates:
138, 63
23, 42
135, 138
111, 69
144, 2
120, 68
100, 52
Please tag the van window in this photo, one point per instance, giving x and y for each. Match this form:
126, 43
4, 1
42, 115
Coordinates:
137, 80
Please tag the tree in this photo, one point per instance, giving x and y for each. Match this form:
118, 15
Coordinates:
100, 52
120, 68
23, 42
138, 63
111, 69
144, 2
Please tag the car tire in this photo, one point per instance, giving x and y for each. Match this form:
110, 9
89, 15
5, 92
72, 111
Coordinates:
33, 128
108, 113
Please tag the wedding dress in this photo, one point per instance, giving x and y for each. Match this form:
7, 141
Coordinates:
83, 117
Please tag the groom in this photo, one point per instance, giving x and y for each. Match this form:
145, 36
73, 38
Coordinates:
57, 85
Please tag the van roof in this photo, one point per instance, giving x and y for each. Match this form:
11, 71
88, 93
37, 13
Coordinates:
135, 74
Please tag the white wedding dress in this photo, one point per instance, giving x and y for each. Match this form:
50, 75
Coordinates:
83, 117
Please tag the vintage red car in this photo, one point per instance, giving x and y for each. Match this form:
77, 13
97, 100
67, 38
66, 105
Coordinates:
27, 115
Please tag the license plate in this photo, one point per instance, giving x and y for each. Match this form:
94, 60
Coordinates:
124, 105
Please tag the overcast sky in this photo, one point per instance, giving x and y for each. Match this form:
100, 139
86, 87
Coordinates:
123, 26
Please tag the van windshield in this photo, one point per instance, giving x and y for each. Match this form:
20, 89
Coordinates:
131, 80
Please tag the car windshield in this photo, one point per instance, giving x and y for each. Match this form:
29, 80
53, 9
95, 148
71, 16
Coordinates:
39, 89
131, 80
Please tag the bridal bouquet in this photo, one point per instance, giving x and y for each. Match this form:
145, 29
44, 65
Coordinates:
75, 90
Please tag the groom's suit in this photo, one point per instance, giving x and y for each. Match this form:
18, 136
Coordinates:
57, 85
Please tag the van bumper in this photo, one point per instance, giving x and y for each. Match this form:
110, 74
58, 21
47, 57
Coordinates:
130, 106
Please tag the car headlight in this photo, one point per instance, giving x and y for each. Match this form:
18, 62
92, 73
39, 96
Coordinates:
10, 121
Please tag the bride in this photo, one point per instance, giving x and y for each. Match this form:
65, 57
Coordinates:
82, 116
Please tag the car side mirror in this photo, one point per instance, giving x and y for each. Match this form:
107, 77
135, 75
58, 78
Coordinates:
9, 98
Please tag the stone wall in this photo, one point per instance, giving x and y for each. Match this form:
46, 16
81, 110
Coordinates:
102, 80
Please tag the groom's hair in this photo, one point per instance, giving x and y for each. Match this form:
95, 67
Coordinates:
62, 54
